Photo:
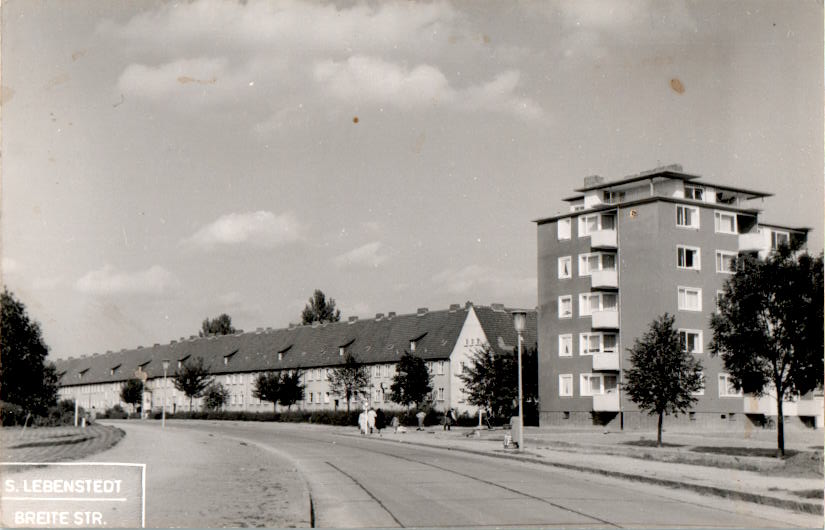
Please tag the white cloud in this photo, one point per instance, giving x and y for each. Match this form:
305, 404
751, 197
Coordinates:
364, 255
362, 78
107, 281
478, 280
259, 229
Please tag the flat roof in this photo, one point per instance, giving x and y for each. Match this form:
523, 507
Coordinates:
656, 173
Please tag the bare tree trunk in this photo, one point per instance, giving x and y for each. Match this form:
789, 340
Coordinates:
659, 436
780, 427
190, 404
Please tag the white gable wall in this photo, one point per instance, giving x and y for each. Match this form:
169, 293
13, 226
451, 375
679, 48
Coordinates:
470, 339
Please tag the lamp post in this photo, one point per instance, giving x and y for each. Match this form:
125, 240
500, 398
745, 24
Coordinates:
520, 323
163, 412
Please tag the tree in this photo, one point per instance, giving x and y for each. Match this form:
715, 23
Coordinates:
412, 382
26, 379
193, 379
664, 375
221, 325
132, 392
268, 388
291, 389
491, 381
215, 396
349, 380
319, 309
768, 328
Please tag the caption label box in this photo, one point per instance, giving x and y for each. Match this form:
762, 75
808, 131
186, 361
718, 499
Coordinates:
72, 495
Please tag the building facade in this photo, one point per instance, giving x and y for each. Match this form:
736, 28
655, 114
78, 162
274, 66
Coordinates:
445, 339
627, 252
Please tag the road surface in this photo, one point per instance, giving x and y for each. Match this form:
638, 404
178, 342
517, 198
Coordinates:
208, 473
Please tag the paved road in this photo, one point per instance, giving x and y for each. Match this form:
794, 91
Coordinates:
363, 482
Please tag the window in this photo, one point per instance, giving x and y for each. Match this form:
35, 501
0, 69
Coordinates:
590, 384
725, 261
280, 356
318, 397
440, 367
440, 395
385, 369
565, 385
697, 193
590, 343
701, 391
309, 397
376, 394
779, 239
690, 340
566, 345
594, 222
720, 295
688, 258
326, 397
563, 228
412, 346
591, 262
724, 223
687, 216
462, 367
341, 351
589, 302
690, 299
612, 197
566, 306
726, 387
565, 264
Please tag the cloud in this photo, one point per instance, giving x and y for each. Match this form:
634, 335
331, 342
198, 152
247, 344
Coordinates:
367, 255
258, 229
107, 281
481, 279
362, 78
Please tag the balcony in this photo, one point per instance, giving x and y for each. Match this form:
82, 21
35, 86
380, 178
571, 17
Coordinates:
605, 320
608, 402
752, 242
603, 239
606, 362
604, 279
810, 407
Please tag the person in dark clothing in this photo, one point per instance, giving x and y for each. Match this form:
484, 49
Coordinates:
448, 420
380, 420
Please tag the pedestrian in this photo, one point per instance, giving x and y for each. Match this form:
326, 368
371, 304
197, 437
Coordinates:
371, 420
447, 421
362, 422
420, 416
395, 424
380, 420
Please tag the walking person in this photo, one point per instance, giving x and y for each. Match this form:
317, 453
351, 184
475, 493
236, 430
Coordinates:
420, 417
362, 422
447, 421
371, 420
380, 420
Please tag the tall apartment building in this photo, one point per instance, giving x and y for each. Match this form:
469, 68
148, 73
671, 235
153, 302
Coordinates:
445, 339
627, 252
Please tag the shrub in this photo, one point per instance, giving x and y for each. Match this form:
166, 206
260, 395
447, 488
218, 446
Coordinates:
115, 413
57, 415
11, 414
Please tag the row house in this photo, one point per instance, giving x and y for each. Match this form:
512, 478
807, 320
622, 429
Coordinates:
445, 339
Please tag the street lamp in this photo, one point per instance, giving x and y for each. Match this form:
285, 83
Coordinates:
520, 323
165, 363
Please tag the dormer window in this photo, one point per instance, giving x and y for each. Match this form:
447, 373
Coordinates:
227, 357
114, 369
280, 356
181, 361
341, 351
412, 346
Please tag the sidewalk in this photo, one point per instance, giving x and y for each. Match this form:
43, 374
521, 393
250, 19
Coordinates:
608, 454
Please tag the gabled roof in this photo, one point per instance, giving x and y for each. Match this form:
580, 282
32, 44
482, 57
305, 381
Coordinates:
370, 340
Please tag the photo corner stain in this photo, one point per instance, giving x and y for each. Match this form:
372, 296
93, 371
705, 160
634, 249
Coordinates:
677, 85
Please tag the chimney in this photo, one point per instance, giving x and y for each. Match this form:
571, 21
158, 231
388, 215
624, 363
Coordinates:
497, 307
107, 351
183, 339
140, 347
468, 305
390, 315
593, 180
155, 345
422, 311
95, 354
454, 307
352, 320
173, 341
71, 357
379, 316
83, 356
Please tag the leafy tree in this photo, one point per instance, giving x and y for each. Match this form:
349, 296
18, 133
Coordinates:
768, 328
215, 396
221, 325
193, 379
291, 389
132, 392
412, 382
349, 380
491, 381
268, 388
319, 309
26, 379
664, 375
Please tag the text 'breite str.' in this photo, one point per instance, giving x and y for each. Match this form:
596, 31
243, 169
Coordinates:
72, 495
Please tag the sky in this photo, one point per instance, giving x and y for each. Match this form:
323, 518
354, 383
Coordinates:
167, 162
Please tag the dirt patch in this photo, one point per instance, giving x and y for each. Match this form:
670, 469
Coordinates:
649, 443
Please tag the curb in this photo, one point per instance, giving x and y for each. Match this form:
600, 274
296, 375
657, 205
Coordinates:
797, 506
